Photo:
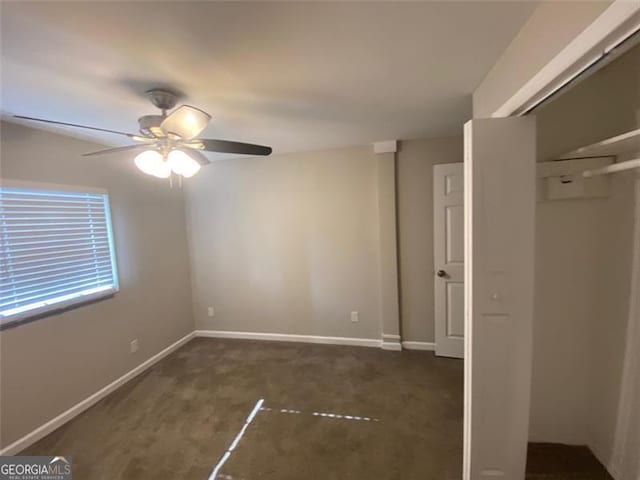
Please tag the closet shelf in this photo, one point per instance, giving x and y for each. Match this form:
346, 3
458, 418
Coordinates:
625, 143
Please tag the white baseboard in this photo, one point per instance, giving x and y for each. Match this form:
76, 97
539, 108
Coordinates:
391, 342
80, 407
428, 346
283, 337
393, 346
51, 425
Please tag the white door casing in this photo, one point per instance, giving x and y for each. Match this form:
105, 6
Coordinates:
499, 204
448, 256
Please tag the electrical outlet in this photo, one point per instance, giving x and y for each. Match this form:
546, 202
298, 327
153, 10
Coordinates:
355, 317
210, 311
134, 346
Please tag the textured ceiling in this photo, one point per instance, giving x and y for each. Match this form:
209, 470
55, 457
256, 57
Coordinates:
297, 76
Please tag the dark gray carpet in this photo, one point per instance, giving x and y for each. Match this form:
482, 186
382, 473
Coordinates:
176, 420
329, 413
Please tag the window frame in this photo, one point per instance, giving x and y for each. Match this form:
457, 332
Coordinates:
60, 306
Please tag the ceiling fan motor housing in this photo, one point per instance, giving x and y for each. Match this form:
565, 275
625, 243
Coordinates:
163, 99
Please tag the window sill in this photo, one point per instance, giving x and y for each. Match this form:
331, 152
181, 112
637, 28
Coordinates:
54, 309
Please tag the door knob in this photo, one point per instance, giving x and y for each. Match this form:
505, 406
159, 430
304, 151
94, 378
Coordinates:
441, 273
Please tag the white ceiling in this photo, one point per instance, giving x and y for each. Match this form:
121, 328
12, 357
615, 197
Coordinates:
297, 76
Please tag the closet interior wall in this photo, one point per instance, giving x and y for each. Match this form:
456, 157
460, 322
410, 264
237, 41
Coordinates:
583, 275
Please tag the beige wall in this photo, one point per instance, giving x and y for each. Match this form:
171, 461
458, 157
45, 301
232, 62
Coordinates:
50, 364
415, 162
287, 244
583, 269
292, 243
549, 29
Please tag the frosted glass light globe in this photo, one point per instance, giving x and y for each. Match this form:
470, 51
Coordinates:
152, 163
182, 164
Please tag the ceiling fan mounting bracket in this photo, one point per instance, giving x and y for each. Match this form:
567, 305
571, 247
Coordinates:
163, 99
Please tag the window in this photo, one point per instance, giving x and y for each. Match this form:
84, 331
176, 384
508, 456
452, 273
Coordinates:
56, 249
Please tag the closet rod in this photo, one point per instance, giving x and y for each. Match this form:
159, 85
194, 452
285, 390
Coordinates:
614, 167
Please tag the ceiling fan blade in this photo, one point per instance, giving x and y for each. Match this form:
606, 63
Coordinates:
225, 146
54, 122
185, 122
196, 155
116, 150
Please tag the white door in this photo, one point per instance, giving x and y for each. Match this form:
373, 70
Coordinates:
448, 228
499, 204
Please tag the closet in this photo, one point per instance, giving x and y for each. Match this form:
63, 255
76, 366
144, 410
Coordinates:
585, 389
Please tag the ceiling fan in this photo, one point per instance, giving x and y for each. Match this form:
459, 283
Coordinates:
168, 142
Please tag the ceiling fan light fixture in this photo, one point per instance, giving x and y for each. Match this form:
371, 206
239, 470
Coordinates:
169, 142
186, 122
182, 164
194, 144
152, 163
140, 138
156, 131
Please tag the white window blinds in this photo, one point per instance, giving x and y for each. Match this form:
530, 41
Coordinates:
57, 250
